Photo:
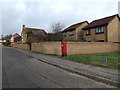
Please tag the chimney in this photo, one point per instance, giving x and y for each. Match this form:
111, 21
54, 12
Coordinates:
23, 26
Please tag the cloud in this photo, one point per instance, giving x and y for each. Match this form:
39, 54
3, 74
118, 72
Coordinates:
43, 13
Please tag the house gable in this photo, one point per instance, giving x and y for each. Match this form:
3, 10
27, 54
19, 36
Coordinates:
110, 26
113, 30
79, 31
25, 30
100, 22
76, 28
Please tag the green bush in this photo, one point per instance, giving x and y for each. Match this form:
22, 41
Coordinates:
7, 43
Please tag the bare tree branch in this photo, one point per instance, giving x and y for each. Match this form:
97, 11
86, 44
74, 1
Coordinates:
56, 34
57, 27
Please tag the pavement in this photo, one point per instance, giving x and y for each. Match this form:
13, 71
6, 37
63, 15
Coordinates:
104, 75
26, 69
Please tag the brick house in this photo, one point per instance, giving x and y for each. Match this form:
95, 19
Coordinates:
74, 32
26, 30
16, 37
103, 30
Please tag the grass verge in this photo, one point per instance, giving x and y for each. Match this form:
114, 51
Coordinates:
113, 60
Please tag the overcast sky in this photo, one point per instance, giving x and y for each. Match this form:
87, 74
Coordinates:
43, 13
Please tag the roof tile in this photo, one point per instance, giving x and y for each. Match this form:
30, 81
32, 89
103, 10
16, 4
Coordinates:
100, 22
74, 26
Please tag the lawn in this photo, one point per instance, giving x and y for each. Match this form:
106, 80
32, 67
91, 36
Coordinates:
113, 60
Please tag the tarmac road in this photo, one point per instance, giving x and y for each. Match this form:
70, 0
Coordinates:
22, 71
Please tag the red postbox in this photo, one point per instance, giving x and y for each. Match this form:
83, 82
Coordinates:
64, 48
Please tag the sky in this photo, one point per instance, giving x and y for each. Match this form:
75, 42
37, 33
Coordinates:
43, 14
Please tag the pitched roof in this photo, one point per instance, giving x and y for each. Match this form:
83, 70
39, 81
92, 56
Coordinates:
26, 29
33, 29
100, 22
16, 34
74, 26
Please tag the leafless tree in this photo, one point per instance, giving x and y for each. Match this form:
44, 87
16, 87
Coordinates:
56, 34
57, 27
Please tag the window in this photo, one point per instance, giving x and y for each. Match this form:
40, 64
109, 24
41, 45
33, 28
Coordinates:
100, 30
64, 34
72, 33
88, 32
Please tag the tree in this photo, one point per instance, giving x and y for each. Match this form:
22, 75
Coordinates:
35, 36
7, 43
57, 27
49, 37
7, 37
56, 34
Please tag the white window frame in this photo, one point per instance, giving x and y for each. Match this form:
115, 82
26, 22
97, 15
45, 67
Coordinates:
88, 32
102, 29
99, 29
72, 33
64, 34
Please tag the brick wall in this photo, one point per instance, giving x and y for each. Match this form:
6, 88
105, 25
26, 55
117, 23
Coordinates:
72, 47
91, 48
22, 46
47, 47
